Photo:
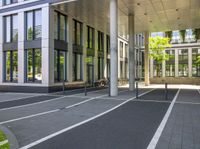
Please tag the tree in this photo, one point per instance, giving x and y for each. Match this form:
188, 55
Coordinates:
157, 46
196, 33
168, 34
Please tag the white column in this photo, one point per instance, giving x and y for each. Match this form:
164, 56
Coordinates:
21, 50
47, 46
1, 49
124, 59
131, 52
146, 59
151, 68
119, 59
113, 47
176, 62
163, 68
190, 62
70, 50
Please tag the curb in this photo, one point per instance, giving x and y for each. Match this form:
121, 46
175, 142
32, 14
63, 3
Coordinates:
10, 138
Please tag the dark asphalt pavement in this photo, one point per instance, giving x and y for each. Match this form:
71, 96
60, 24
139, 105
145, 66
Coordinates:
131, 126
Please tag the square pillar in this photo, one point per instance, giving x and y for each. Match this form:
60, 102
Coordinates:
84, 64
163, 68
47, 46
146, 59
96, 55
176, 63
190, 62
1, 48
70, 49
105, 55
113, 47
131, 52
151, 68
21, 50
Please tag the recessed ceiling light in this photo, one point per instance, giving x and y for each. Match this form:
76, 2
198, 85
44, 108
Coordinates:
138, 4
178, 18
145, 13
177, 9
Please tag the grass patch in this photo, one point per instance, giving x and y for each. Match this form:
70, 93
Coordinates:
3, 138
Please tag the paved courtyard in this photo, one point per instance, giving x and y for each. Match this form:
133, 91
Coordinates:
97, 121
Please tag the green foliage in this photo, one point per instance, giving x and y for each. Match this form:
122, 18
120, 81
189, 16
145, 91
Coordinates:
196, 33
182, 34
168, 34
157, 47
198, 59
3, 138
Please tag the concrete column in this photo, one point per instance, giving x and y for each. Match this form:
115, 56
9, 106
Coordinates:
21, 50
47, 46
84, 64
70, 49
113, 47
119, 59
96, 56
1, 49
190, 62
105, 56
146, 59
124, 59
151, 68
163, 68
131, 52
176, 62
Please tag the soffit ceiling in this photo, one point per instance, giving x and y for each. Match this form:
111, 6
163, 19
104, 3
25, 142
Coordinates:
150, 15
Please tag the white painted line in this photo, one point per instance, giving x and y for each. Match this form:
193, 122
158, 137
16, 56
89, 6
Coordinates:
3, 142
52, 111
154, 140
159, 101
190, 103
78, 124
31, 104
14, 99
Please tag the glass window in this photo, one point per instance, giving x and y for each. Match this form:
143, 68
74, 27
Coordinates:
121, 49
33, 25
56, 25
157, 69
90, 38
195, 65
34, 65
38, 24
121, 69
77, 35
59, 65
7, 2
183, 62
11, 28
100, 68
77, 67
108, 44
11, 61
170, 64
100, 41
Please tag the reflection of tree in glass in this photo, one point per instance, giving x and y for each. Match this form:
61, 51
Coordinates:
30, 33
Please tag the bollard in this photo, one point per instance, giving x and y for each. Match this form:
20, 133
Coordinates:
109, 87
63, 86
85, 88
166, 92
136, 89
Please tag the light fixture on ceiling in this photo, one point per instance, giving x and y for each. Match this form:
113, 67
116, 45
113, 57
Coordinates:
177, 9
145, 14
138, 4
178, 18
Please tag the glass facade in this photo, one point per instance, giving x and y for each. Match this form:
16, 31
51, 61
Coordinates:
60, 63
195, 64
60, 26
77, 35
11, 28
33, 24
100, 68
121, 49
90, 37
100, 41
11, 66
7, 2
77, 67
183, 62
170, 64
33, 59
